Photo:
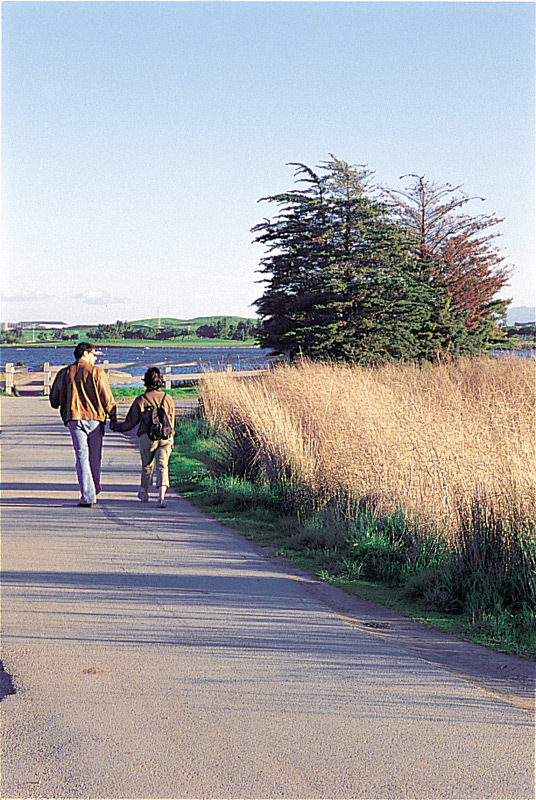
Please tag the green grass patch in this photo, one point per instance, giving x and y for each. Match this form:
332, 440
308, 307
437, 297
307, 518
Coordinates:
381, 559
126, 393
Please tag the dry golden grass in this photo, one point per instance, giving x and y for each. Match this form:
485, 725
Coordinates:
425, 439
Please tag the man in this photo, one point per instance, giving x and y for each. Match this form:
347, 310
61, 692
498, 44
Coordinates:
82, 393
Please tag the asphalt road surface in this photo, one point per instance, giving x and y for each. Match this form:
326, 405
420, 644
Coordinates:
153, 653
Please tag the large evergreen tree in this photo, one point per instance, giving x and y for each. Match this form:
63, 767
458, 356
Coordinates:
292, 307
344, 279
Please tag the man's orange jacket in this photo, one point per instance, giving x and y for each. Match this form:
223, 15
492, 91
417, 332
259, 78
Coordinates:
82, 391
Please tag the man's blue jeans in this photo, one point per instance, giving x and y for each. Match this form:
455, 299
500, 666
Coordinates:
87, 435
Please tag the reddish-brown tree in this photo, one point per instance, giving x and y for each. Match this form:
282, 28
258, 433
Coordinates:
465, 261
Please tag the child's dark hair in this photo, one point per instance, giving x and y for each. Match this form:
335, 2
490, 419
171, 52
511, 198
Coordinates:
153, 378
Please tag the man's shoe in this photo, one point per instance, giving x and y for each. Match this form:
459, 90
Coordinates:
85, 505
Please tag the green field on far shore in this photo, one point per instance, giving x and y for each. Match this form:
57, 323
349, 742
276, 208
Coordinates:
141, 343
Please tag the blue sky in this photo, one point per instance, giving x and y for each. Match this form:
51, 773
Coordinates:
138, 137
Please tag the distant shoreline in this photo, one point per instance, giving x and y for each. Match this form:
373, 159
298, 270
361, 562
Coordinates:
141, 344
190, 344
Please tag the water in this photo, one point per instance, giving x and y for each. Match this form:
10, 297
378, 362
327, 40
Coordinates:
138, 359
518, 353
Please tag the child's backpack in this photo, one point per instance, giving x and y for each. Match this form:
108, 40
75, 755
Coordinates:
159, 426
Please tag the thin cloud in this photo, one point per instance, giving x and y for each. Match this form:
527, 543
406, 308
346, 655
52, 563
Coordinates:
98, 298
24, 297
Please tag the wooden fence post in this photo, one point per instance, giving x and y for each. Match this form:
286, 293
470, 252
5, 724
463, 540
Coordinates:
47, 378
10, 378
167, 378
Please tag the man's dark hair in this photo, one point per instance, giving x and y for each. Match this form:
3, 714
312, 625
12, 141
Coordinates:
153, 378
81, 348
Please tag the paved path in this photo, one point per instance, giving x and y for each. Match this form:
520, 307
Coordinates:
157, 654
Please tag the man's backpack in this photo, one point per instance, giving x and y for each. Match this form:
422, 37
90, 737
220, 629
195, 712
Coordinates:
159, 426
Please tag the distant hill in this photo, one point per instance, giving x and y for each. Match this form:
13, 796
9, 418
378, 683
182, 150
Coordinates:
195, 322
521, 314
175, 323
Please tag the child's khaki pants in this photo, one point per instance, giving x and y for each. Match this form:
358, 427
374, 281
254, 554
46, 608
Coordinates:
154, 454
